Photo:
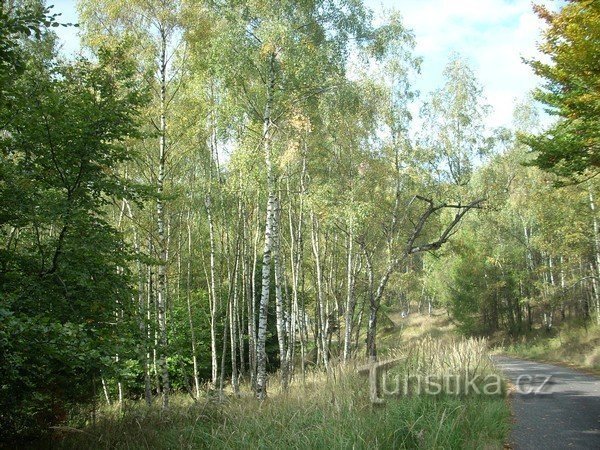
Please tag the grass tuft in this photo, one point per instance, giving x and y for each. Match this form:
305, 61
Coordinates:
572, 344
328, 410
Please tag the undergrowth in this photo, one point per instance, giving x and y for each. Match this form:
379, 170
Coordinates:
574, 344
325, 410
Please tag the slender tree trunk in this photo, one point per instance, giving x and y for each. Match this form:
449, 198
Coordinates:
233, 333
189, 307
105, 390
563, 285
224, 349
303, 328
321, 329
261, 354
213, 294
233, 307
252, 347
244, 299
359, 322
530, 267
213, 290
375, 297
119, 386
596, 228
162, 241
279, 304
350, 299
148, 332
372, 324
296, 264
295, 260
142, 324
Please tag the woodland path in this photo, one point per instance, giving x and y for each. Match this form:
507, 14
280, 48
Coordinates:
554, 407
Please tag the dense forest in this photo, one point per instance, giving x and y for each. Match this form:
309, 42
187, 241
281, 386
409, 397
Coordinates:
227, 192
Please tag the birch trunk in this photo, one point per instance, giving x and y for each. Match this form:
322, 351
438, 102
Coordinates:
105, 390
189, 307
252, 310
597, 253
295, 264
295, 260
321, 329
279, 305
212, 294
160, 215
261, 354
147, 326
350, 300
142, 324
233, 307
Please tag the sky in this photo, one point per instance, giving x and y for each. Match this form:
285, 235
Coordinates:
492, 34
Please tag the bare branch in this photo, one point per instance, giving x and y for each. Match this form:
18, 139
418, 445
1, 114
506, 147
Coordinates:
448, 231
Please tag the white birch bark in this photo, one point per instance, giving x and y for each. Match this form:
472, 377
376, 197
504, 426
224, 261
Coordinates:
261, 355
160, 215
596, 276
279, 305
189, 308
321, 313
350, 300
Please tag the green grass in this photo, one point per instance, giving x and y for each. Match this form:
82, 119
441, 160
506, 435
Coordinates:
415, 422
331, 411
571, 344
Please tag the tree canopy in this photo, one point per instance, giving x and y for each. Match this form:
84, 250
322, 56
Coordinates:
570, 148
221, 199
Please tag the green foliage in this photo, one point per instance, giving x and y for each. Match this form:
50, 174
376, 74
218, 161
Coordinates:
17, 22
571, 147
101, 282
453, 129
522, 263
64, 281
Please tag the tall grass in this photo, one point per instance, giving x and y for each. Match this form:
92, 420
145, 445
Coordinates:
452, 356
327, 410
572, 343
415, 327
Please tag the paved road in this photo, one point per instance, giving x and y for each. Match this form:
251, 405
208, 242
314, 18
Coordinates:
554, 407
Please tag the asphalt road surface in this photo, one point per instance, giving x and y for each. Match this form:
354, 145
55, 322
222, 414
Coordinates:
554, 407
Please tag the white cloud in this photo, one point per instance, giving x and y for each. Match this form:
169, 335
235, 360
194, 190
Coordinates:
492, 34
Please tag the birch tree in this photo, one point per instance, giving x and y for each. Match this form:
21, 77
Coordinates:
284, 60
154, 38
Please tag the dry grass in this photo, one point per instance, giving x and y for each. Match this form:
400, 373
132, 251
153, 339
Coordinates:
571, 344
327, 410
452, 356
416, 327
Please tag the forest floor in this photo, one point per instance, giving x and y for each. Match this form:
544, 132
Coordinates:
323, 410
333, 410
416, 326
